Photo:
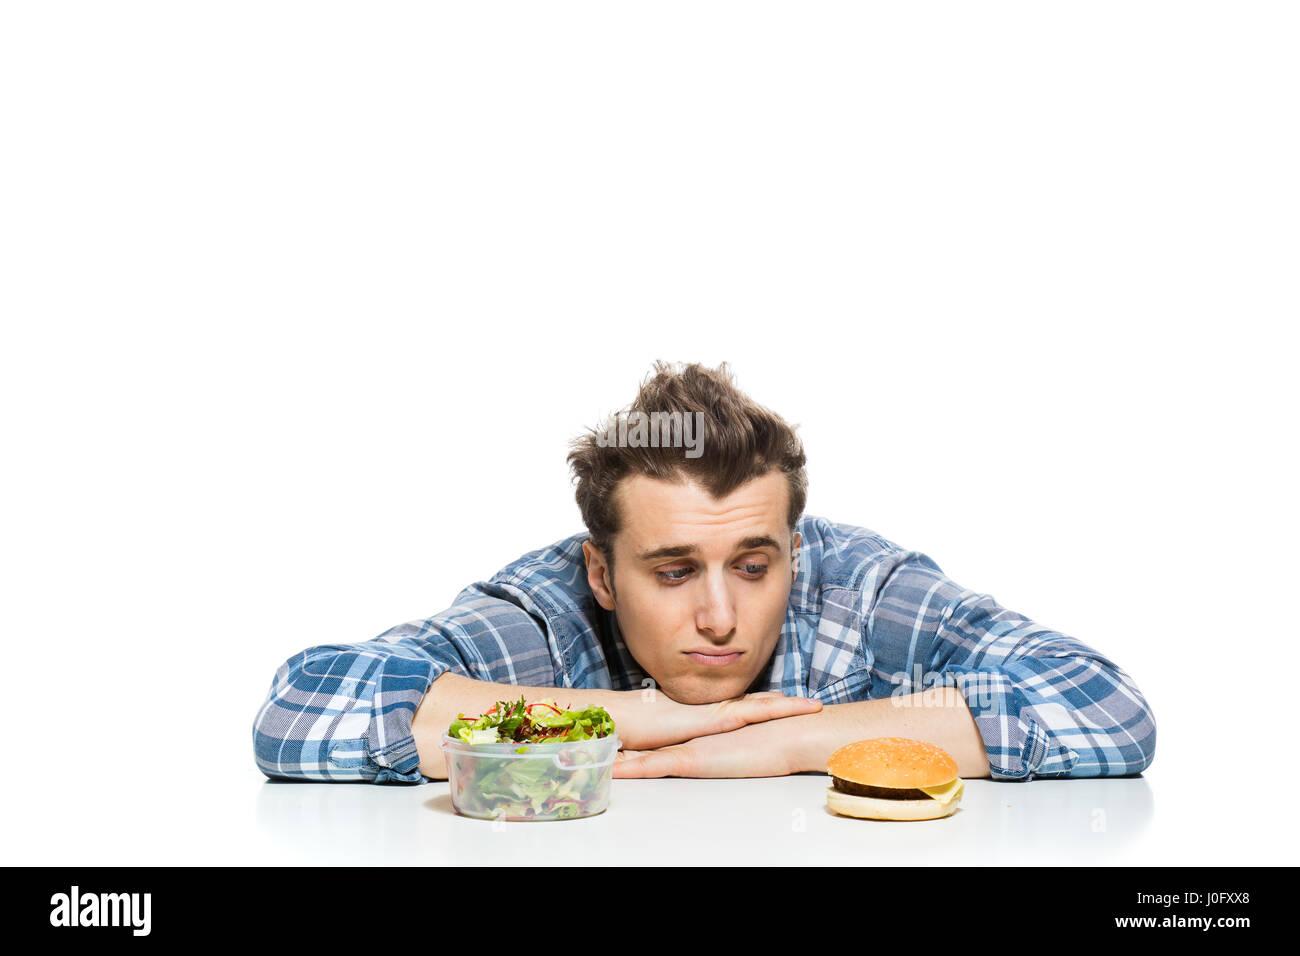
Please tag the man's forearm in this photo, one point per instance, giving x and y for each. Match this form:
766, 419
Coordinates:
938, 716
453, 694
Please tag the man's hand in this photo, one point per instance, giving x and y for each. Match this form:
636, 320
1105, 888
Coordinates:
661, 722
804, 743
755, 750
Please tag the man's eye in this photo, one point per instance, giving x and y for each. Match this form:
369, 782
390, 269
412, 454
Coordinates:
681, 574
677, 574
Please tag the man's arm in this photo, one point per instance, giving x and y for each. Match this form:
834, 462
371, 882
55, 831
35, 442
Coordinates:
804, 743
1045, 703
452, 694
938, 716
642, 719
343, 712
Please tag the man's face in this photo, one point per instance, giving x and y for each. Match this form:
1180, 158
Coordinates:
700, 585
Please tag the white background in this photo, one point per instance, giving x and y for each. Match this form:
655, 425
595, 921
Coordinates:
302, 303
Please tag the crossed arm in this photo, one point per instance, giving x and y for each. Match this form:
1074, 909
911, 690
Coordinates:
760, 735
805, 742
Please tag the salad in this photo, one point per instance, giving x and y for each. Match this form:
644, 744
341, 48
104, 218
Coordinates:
537, 723
538, 761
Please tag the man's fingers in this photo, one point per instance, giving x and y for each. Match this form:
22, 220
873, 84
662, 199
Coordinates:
644, 763
756, 708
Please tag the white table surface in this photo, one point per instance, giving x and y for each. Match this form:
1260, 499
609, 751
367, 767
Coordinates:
779, 820
245, 819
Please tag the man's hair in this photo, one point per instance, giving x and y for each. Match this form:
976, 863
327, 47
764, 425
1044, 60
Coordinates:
738, 440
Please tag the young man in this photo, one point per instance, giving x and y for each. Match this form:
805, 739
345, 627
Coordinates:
727, 633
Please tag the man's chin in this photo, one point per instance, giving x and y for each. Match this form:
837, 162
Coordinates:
693, 690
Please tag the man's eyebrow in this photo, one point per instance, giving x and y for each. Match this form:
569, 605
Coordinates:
685, 550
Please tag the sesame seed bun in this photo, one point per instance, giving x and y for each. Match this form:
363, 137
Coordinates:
896, 762
882, 779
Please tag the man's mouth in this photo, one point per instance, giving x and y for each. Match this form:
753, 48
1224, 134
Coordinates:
714, 658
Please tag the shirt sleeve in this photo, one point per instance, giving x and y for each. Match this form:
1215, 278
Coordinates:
1045, 704
343, 712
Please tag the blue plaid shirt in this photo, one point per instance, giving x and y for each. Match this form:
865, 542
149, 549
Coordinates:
866, 619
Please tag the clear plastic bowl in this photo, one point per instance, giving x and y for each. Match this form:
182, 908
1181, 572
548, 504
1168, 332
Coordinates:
555, 781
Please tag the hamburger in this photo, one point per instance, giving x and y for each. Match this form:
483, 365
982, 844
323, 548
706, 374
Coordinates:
893, 778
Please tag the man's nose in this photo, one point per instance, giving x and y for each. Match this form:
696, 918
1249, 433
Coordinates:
717, 617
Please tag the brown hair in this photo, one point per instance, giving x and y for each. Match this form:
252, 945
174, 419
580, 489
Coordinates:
739, 440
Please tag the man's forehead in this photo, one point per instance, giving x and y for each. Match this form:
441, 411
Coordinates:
657, 515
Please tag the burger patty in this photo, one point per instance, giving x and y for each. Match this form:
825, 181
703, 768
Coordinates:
883, 793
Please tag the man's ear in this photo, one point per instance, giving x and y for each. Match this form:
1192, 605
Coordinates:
794, 556
599, 578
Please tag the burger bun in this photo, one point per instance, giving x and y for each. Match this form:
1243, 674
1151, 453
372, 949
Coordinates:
873, 808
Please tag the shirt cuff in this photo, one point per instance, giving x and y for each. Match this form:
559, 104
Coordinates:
1017, 745
399, 764
390, 745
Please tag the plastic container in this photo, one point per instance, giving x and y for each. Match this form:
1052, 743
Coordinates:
553, 781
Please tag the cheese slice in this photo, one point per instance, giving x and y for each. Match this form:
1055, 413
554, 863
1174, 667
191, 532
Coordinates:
947, 793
